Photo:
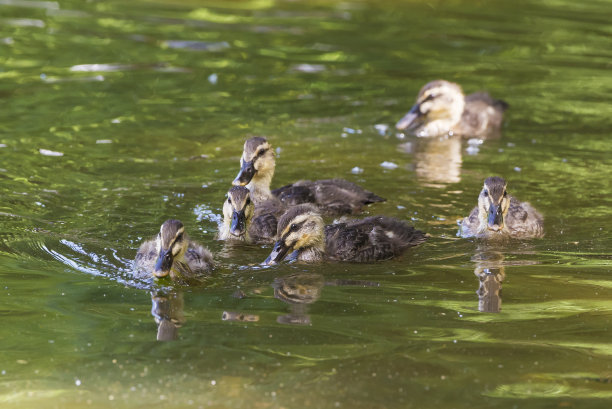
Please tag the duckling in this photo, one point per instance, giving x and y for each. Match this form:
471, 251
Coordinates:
172, 253
501, 215
332, 196
442, 109
244, 221
302, 234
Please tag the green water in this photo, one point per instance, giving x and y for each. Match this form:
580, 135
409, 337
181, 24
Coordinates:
176, 80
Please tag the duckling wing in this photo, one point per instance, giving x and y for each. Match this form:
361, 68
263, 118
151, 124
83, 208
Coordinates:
296, 193
482, 114
523, 220
469, 225
199, 259
339, 196
146, 257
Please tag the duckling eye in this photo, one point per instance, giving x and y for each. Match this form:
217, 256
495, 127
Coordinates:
248, 201
294, 227
485, 193
167, 256
229, 200
179, 237
505, 193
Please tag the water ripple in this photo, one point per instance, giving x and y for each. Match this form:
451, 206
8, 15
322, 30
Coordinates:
49, 5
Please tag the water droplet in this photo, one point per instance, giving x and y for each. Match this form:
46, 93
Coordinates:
389, 165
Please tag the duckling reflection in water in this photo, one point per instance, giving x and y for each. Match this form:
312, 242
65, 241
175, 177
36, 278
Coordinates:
437, 161
298, 290
302, 235
167, 310
490, 271
302, 289
332, 196
244, 221
172, 254
499, 215
441, 108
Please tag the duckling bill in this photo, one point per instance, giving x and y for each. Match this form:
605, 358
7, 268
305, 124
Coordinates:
500, 215
171, 253
332, 196
442, 109
303, 236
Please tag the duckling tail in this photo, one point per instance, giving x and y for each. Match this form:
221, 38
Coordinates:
400, 234
372, 198
501, 105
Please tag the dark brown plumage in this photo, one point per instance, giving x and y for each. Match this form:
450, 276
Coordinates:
332, 196
373, 238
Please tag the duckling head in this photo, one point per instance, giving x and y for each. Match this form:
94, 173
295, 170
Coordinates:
301, 227
171, 245
256, 163
493, 204
238, 211
438, 108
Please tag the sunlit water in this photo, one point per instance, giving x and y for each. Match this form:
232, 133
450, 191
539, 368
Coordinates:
118, 115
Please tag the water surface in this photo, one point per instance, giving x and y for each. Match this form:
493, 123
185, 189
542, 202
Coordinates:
118, 115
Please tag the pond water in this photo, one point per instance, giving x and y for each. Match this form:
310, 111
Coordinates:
118, 115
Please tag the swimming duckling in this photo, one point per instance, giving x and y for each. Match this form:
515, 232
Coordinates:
501, 215
332, 196
172, 253
442, 109
302, 234
244, 221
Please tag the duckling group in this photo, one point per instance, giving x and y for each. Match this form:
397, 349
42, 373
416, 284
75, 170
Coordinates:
291, 218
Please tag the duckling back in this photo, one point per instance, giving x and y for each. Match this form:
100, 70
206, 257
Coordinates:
265, 221
199, 259
145, 259
370, 239
524, 221
331, 196
482, 115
